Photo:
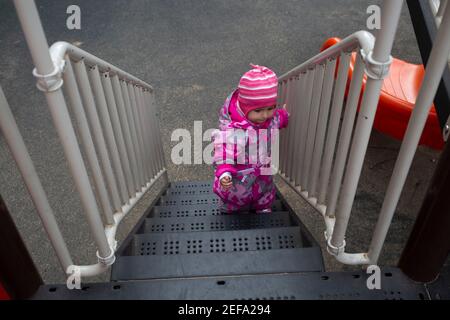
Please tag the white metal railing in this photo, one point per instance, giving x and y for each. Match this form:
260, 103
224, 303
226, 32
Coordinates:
438, 8
116, 121
314, 98
310, 161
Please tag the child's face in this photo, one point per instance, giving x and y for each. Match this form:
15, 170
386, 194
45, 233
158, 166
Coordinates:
262, 114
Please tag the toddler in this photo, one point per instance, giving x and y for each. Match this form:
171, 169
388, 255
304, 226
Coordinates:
249, 108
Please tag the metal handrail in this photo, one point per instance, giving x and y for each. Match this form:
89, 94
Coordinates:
314, 81
312, 164
303, 142
361, 39
60, 49
114, 112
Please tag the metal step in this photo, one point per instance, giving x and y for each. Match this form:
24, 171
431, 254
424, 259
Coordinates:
189, 192
172, 200
216, 241
191, 184
218, 223
349, 285
193, 210
182, 200
217, 264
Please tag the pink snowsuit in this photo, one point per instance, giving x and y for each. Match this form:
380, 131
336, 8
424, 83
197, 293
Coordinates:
252, 190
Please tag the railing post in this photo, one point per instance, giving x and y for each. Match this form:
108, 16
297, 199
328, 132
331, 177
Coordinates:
46, 71
378, 62
435, 68
20, 153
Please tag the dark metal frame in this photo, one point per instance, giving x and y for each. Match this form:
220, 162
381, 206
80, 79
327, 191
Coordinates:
18, 274
425, 30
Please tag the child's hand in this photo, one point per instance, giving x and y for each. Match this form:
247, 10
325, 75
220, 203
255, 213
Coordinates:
284, 107
226, 182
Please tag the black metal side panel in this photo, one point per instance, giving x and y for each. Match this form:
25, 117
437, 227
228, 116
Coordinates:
218, 223
311, 286
425, 29
220, 263
440, 288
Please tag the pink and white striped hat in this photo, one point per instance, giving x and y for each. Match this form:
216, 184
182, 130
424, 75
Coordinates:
258, 88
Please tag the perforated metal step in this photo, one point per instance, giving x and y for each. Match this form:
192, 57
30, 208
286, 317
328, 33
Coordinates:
194, 210
191, 184
216, 241
311, 286
218, 223
189, 192
173, 200
218, 263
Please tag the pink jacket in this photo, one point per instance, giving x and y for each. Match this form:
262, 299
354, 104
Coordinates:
231, 117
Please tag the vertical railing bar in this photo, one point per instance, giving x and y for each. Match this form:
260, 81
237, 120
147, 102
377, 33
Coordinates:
22, 157
132, 125
108, 131
284, 160
333, 124
99, 140
296, 118
295, 96
280, 133
283, 136
138, 131
381, 52
135, 126
148, 138
322, 124
118, 132
345, 134
154, 131
120, 102
312, 127
151, 133
143, 126
86, 138
151, 116
298, 128
157, 127
290, 133
142, 133
313, 75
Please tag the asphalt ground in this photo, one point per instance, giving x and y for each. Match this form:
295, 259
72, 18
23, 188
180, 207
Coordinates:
193, 53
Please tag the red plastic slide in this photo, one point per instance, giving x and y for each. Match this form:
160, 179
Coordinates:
398, 96
3, 294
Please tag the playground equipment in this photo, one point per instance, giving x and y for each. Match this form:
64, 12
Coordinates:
397, 98
182, 235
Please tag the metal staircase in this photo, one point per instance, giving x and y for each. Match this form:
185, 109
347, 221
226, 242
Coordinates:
186, 235
185, 248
